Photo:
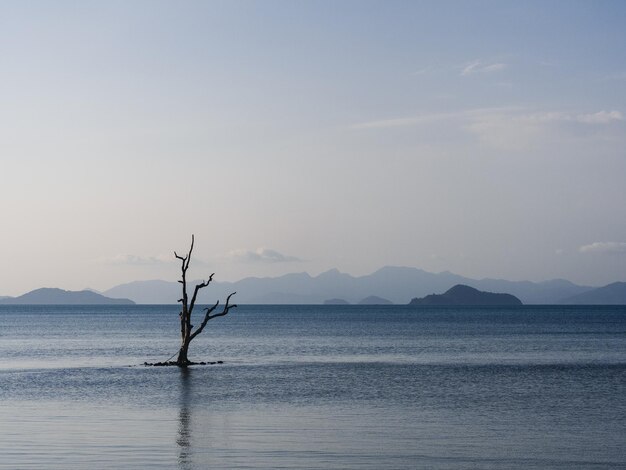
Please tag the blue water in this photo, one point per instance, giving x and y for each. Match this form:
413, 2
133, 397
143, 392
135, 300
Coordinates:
314, 387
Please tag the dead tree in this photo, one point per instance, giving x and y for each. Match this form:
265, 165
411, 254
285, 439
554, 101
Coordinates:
187, 332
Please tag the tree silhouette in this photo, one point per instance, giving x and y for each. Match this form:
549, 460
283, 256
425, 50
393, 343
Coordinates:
187, 332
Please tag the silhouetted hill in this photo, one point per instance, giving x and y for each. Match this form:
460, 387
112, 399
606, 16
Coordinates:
336, 302
545, 292
375, 300
50, 296
612, 294
464, 295
398, 284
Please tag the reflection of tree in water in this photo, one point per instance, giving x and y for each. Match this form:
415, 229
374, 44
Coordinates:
183, 439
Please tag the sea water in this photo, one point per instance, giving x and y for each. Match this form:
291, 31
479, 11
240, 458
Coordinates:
314, 387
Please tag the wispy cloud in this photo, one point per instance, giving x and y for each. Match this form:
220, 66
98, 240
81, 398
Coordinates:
261, 255
428, 118
604, 248
601, 117
471, 68
517, 129
405, 121
136, 260
517, 113
505, 128
479, 66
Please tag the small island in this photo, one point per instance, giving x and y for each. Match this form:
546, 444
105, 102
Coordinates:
461, 295
53, 296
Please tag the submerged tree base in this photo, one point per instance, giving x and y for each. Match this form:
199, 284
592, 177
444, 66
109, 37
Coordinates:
188, 363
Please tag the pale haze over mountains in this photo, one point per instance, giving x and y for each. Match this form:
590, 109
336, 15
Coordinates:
397, 284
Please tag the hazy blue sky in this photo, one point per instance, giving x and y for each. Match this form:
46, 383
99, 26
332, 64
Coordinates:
484, 138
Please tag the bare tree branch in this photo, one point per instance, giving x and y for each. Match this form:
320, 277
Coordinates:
185, 265
188, 258
207, 317
227, 307
195, 292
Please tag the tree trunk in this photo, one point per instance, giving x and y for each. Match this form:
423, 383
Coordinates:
187, 306
182, 360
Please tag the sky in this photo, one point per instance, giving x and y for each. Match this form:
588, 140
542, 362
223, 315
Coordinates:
486, 138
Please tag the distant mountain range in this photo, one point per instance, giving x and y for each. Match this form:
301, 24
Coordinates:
396, 284
49, 296
465, 295
612, 294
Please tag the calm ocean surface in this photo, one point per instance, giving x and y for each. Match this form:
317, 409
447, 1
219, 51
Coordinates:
314, 387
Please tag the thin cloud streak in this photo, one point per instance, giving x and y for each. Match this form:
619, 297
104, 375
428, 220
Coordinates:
478, 66
604, 248
506, 128
474, 67
136, 260
262, 255
430, 118
512, 112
